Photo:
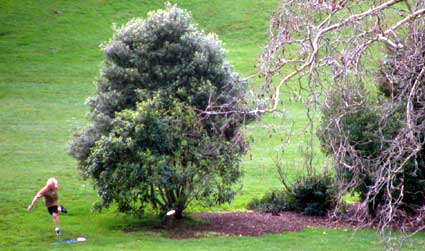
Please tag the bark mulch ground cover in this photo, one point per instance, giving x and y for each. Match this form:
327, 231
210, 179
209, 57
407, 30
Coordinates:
238, 224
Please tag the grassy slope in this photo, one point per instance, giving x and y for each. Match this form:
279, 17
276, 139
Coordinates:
49, 58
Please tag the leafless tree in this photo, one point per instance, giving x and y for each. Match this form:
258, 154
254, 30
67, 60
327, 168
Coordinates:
340, 45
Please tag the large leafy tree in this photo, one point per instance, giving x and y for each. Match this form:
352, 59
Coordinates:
150, 141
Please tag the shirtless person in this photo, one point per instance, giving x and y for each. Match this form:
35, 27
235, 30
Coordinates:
51, 198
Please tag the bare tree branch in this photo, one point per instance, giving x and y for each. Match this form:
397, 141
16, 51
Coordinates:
331, 44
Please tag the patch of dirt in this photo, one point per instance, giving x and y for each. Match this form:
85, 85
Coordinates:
239, 224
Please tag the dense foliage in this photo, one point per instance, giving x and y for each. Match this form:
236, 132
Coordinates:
311, 195
272, 202
149, 144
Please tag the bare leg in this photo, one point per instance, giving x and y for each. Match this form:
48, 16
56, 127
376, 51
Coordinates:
56, 219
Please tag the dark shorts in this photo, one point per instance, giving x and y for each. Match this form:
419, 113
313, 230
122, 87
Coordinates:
52, 209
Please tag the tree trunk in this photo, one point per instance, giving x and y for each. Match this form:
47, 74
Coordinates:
179, 214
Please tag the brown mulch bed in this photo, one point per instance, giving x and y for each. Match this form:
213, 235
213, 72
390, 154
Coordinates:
237, 224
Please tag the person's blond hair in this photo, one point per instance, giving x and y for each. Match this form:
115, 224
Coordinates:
52, 182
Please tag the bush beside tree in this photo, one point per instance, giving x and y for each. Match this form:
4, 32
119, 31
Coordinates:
311, 195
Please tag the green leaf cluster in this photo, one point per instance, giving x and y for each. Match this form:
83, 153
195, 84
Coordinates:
313, 195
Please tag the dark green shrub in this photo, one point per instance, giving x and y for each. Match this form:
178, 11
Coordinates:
313, 195
272, 202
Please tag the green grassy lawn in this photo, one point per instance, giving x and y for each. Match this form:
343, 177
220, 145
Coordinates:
49, 59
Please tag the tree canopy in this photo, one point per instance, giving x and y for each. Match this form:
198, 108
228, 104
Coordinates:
149, 142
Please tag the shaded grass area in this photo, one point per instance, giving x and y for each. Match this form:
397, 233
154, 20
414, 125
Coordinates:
49, 58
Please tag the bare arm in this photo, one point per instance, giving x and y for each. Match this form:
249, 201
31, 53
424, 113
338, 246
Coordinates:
36, 197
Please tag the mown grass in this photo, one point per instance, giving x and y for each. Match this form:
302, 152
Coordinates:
49, 58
